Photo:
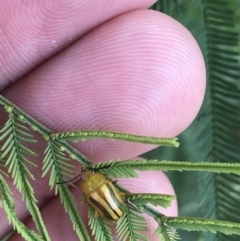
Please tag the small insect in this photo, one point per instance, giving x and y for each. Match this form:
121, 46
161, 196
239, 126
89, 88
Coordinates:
101, 194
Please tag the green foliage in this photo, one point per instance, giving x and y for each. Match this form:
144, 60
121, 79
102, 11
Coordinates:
14, 134
2, 165
8, 205
83, 135
222, 41
55, 160
99, 227
193, 224
154, 199
127, 168
167, 233
129, 225
58, 165
71, 208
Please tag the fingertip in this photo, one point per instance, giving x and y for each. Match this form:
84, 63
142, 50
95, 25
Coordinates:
141, 73
152, 182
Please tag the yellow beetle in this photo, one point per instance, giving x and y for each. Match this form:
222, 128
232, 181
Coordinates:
102, 195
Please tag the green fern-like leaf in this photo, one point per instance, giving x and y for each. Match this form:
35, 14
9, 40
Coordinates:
222, 42
8, 206
127, 168
99, 227
154, 199
57, 164
111, 169
15, 133
167, 233
82, 135
197, 224
129, 225
71, 208
3, 170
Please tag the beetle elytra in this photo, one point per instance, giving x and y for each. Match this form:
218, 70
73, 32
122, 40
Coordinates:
102, 195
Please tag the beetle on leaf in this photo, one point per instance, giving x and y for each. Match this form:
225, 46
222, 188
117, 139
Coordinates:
101, 193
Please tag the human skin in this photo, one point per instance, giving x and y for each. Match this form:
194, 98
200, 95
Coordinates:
75, 66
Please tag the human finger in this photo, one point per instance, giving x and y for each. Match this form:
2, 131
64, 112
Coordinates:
33, 31
60, 226
141, 73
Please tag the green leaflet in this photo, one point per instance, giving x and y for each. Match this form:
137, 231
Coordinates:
83, 135
154, 199
129, 225
16, 155
99, 227
8, 205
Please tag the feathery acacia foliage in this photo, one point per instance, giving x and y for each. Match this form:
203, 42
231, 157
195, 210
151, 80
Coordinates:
99, 227
154, 199
223, 65
167, 233
129, 225
203, 225
3, 170
127, 168
14, 133
83, 135
56, 162
8, 205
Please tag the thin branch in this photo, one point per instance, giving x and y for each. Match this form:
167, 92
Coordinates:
82, 135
